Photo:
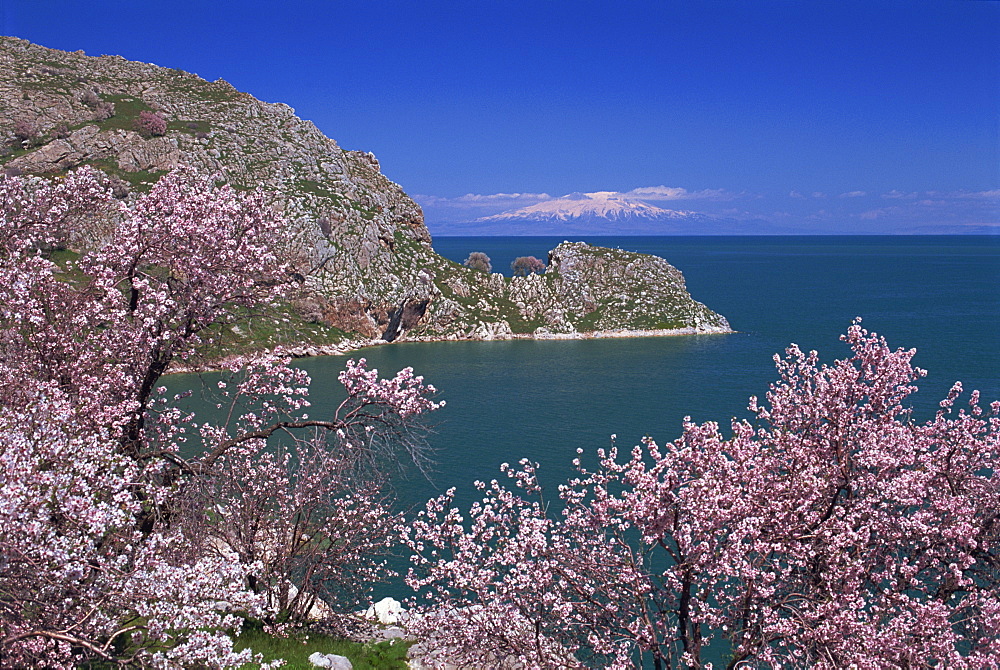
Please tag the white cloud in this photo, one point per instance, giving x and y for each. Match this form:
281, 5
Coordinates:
677, 193
879, 213
934, 208
956, 207
473, 200
515, 200
993, 194
494, 197
939, 197
659, 193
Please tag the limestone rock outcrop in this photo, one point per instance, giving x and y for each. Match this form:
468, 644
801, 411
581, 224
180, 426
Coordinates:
584, 289
358, 239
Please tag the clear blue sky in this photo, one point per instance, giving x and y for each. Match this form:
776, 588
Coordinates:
762, 98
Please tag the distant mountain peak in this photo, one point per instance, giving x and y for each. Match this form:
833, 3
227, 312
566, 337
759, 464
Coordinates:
598, 205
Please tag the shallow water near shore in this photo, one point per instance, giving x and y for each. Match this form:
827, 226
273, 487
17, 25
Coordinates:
544, 399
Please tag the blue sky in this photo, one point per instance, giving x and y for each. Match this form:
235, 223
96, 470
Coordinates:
756, 100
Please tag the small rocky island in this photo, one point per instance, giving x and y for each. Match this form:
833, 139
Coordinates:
370, 271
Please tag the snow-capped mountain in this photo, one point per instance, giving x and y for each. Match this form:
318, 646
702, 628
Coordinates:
600, 206
598, 213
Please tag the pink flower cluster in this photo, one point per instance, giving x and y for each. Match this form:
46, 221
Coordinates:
834, 532
116, 546
405, 393
151, 124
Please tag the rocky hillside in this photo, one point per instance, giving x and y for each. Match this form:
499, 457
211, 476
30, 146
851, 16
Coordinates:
360, 239
584, 289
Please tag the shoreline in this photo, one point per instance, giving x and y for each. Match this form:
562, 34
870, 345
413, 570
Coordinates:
350, 346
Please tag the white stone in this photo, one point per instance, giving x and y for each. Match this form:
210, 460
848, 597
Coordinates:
385, 611
332, 661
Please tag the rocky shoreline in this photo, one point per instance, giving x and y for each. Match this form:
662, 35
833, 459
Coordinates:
356, 240
350, 346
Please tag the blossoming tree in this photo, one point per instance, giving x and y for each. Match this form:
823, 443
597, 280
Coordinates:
835, 531
115, 545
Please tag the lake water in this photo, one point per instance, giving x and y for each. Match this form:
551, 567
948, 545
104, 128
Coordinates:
542, 400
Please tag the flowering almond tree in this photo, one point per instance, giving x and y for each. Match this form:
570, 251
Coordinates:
111, 545
311, 510
150, 124
834, 532
526, 265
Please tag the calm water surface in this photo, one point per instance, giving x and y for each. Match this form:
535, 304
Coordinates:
542, 400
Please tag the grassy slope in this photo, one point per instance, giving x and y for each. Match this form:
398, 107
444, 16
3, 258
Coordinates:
386, 655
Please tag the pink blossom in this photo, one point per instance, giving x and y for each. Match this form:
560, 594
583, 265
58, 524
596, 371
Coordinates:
114, 547
834, 532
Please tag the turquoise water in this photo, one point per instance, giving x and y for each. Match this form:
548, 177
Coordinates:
542, 400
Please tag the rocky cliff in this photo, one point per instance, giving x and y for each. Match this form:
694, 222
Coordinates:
362, 243
584, 289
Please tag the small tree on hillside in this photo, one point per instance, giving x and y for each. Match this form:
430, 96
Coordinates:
526, 265
477, 260
104, 110
25, 131
150, 124
90, 98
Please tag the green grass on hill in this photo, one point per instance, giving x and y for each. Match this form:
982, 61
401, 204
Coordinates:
278, 326
387, 655
127, 109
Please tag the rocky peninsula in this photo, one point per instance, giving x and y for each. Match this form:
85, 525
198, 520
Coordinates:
370, 273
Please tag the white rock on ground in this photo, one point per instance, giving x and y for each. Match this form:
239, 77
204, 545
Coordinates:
332, 661
385, 611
